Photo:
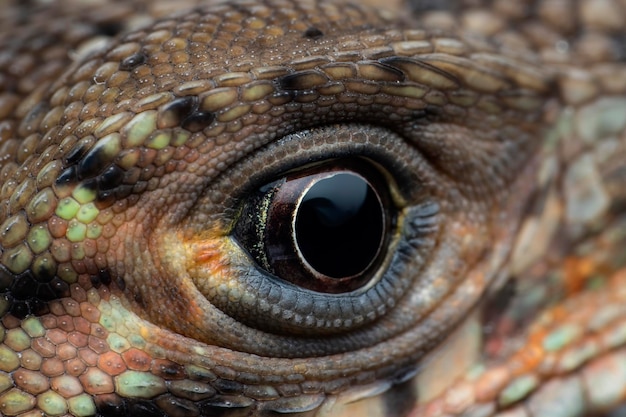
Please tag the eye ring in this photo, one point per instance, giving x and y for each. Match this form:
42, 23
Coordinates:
325, 227
370, 209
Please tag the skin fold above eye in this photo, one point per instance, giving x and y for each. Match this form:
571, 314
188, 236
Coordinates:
158, 161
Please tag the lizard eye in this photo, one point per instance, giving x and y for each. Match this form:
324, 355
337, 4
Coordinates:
322, 228
316, 241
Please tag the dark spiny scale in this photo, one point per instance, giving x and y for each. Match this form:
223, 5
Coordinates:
95, 160
184, 112
22, 288
56, 288
198, 121
75, 154
46, 293
19, 309
68, 177
44, 272
60, 287
304, 80
180, 108
106, 199
110, 178
23, 308
37, 307
313, 33
133, 61
103, 277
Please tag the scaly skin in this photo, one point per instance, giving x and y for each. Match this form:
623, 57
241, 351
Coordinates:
133, 133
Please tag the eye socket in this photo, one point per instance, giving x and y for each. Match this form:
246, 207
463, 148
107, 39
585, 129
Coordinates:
323, 228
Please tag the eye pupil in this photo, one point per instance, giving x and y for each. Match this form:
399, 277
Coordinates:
339, 225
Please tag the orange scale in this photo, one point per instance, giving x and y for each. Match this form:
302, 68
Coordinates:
137, 360
111, 363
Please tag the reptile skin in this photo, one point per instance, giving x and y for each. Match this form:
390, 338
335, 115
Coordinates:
133, 133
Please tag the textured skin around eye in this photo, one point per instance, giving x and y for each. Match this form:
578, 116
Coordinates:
130, 133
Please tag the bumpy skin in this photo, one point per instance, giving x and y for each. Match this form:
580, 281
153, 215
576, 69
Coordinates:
132, 133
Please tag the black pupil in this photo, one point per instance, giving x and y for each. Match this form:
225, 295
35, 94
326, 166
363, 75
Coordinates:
339, 225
